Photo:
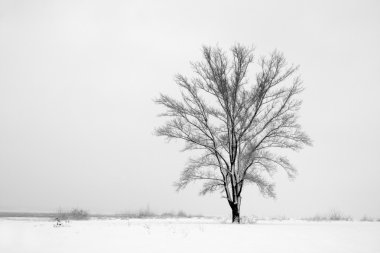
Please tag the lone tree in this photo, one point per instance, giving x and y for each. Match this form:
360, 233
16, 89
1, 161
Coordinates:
237, 125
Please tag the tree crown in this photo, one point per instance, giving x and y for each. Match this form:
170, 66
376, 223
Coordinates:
237, 124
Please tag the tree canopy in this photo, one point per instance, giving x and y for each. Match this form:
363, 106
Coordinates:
237, 124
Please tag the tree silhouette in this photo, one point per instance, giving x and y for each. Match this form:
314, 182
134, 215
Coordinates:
237, 125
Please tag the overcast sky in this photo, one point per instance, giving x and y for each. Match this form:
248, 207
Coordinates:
77, 80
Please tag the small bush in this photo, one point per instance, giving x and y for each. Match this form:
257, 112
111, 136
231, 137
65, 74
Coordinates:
279, 218
167, 215
179, 214
182, 214
248, 219
316, 217
74, 214
78, 214
336, 216
146, 213
141, 214
332, 216
366, 218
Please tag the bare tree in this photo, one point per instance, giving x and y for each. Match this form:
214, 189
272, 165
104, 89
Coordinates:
238, 126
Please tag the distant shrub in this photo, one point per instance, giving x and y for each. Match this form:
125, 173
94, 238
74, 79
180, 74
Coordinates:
279, 218
74, 214
366, 218
182, 214
167, 215
78, 214
142, 213
337, 216
248, 219
334, 215
147, 213
316, 217
179, 214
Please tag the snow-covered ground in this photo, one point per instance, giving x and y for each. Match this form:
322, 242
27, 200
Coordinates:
24, 235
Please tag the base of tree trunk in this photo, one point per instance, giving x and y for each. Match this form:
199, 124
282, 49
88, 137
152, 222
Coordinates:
235, 213
236, 218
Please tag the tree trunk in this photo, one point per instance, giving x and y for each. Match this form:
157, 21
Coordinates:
235, 207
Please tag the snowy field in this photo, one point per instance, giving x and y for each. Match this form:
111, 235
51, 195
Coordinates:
24, 235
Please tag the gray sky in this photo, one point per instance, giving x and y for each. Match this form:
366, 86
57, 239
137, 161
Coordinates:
77, 80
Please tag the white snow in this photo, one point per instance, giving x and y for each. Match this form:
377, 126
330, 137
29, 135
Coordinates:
187, 235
